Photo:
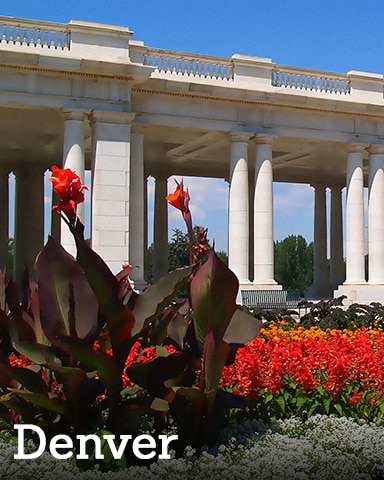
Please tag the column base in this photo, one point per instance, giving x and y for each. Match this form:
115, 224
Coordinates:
248, 285
364, 293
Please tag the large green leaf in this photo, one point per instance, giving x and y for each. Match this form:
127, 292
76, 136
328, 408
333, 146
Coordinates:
93, 360
18, 404
71, 376
29, 379
53, 404
152, 301
106, 287
152, 375
213, 296
58, 272
38, 353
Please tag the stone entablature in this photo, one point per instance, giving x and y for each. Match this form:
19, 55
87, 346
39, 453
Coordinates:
91, 97
87, 41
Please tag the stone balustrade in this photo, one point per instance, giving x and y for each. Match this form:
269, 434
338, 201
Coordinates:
183, 64
29, 33
82, 40
310, 80
76, 39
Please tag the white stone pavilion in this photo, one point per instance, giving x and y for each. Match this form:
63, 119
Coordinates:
90, 97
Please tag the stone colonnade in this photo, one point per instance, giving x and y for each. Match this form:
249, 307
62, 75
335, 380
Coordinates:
119, 216
260, 274
118, 194
239, 213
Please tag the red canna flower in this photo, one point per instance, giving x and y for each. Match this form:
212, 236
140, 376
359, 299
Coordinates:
179, 198
70, 190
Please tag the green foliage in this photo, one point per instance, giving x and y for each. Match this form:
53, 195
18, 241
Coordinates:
178, 252
294, 263
294, 401
332, 314
327, 314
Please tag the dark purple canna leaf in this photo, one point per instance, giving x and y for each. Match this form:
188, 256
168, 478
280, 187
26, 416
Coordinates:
213, 296
214, 358
106, 287
151, 303
58, 272
242, 328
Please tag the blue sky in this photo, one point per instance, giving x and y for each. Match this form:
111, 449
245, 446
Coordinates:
329, 35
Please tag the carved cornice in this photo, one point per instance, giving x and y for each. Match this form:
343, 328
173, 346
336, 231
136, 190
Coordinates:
67, 73
262, 103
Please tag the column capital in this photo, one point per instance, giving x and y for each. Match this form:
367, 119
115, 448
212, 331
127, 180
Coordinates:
376, 149
28, 169
107, 116
319, 186
263, 139
74, 114
239, 137
355, 147
139, 129
336, 187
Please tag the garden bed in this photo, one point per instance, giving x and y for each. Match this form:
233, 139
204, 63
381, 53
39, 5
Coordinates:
323, 447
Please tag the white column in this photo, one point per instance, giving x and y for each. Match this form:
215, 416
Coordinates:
376, 215
73, 158
29, 216
111, 184
320, 286
137, 242
238, 221
4, 218
160, 230
263, 215
337, 258
355, 216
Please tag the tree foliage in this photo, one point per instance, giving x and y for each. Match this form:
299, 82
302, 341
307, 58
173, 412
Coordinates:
294, 263
178, 252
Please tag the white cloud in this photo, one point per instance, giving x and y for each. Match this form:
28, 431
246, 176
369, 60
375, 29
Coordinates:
293, 199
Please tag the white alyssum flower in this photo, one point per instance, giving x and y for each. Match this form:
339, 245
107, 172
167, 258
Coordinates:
321, 448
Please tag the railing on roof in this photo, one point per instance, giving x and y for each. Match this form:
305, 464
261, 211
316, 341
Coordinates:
35, 34
184, 64
311, 80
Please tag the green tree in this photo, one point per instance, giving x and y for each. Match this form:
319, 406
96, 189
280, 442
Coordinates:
294, 263
178, 253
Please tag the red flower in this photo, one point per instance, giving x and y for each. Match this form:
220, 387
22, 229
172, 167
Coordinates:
69, 188
179, 198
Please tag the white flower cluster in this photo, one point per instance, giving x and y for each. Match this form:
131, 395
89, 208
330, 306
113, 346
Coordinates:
321, 448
